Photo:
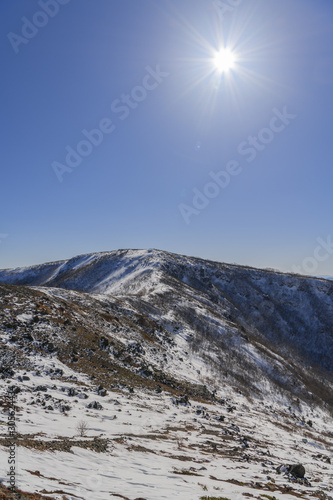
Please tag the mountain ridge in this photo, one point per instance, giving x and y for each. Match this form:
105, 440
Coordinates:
148, 252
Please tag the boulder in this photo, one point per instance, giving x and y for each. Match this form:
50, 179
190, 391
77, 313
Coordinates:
72, 391
297, 470
95, 405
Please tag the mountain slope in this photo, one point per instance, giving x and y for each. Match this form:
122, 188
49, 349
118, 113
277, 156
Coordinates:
193, 378
238, 320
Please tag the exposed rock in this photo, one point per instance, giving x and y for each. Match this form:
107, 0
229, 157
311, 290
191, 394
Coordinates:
183, 400
95, 405
28, 337
72, 391
297, 470
14, 389
64, 408
101, 391
7, 371
283, 469
103, 343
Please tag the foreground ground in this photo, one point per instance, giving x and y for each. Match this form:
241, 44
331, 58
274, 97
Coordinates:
157, 445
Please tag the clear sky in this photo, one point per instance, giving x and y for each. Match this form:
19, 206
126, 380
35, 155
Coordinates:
119, 131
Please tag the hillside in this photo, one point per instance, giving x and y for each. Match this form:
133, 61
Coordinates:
188, 374
254, 320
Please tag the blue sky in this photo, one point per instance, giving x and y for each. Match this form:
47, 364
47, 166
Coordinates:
142, 72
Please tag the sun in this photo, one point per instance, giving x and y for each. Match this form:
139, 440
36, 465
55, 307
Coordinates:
224, 60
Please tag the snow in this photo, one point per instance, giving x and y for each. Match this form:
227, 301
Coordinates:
25, 318
141, 466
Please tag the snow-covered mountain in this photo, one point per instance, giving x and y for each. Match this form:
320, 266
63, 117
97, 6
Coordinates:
288, 312
229, 361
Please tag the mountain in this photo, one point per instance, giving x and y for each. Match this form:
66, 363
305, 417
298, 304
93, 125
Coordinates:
246, 314
188, 350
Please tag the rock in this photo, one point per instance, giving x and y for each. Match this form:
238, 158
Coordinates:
8, 324
14, 389
283, 469
72, 391
50, 347
183, 400
101, 391
7, 371
64, 408
41, 388
95, 405
28, 337
103, 343
297, 470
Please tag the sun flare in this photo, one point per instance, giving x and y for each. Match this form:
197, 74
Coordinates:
224, 60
